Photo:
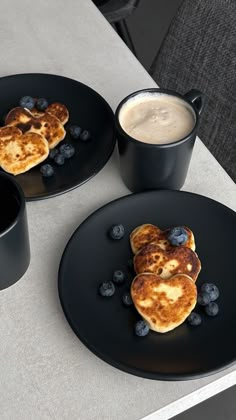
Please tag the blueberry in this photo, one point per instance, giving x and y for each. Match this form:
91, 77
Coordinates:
116, 231
27, 102
107, 289
194, 319
212, 309
53, 153
59, 159
178, 236
127, 299
67, 150
75, 131
119, 277
41, 104
211, 289
85, 135
141, 328
47, 170
203, 298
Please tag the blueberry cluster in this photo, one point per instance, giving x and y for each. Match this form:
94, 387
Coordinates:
76, 133
107, 289
116, 232
58, 155
28, 102
207, 296
65, 151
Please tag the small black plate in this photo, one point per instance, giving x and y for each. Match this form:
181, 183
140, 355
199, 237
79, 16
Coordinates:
87, 109
106, 327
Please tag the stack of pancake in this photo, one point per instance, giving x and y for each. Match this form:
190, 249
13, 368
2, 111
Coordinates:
27, 136
163, 291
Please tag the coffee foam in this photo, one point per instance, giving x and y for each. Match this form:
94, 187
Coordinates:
157, 118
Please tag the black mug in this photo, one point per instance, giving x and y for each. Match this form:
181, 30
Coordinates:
147, 166
14, 237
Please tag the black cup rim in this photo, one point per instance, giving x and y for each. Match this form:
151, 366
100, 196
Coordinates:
21, 197
159, 145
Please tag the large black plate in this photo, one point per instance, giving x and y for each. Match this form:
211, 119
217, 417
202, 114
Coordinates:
87, 109
106, 327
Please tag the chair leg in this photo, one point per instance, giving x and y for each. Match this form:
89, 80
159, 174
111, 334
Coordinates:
123, 31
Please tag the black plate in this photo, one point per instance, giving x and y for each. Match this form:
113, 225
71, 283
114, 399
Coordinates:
106, 327
87, 109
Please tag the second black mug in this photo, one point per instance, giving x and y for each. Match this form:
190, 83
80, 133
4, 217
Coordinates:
14, 236
147, 166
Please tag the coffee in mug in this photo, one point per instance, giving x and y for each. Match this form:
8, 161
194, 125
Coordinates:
157, 118
156, 131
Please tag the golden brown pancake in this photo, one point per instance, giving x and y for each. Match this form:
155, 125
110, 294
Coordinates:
21, 152
143, 235
147, 233
8, 132
56, 109
46, 125
178, 260
164, 304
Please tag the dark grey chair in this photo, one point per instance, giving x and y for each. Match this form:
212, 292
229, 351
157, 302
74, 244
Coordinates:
199, 51
116, 12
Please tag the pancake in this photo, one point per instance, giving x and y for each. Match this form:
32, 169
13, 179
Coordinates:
164, 304
147, 233
55, 109
9, 132
46, 125
58, 110
21, 152
142, 235
178, 260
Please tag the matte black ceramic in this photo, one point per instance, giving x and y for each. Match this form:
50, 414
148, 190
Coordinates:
153, 166
14, 237
105, 326
86, 108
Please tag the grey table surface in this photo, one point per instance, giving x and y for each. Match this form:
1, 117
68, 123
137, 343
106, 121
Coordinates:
46, 372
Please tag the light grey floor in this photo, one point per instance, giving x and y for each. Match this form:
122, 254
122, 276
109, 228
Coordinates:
148, 26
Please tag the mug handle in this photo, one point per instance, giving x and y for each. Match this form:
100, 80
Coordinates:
197, 98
